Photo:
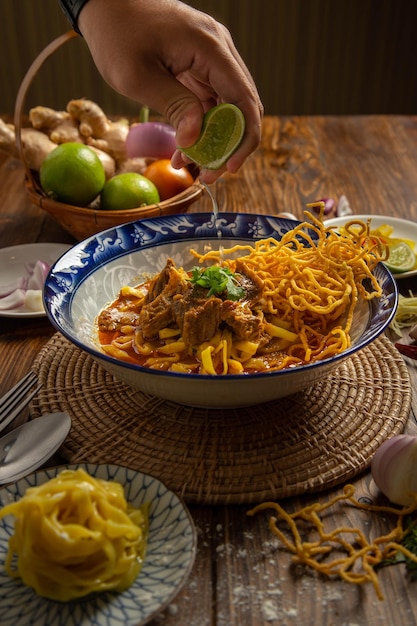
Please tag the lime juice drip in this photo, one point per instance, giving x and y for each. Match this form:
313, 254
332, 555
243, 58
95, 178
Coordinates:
215, 215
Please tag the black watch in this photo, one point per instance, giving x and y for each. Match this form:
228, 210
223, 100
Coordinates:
72, 9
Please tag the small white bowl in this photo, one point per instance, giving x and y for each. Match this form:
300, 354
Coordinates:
91, 274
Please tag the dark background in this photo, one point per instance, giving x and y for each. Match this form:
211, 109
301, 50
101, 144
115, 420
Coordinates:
307, 56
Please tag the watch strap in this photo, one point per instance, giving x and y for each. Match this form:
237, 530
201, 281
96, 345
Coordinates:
71, 10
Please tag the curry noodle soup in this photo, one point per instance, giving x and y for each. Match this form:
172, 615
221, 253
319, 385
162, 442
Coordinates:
250, 308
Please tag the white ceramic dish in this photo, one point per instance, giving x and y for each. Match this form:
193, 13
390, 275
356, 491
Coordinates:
91, 274
403, 229
14, 263
168, 562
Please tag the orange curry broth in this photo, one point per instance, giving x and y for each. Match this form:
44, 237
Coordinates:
271, 361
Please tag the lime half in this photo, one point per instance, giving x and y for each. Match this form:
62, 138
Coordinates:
221, 133
401, 258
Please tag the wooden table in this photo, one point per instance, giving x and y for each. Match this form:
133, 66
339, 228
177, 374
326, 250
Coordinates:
241, 576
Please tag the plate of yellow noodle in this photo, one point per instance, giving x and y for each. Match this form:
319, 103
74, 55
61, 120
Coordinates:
391, 230
96, 545
220, 311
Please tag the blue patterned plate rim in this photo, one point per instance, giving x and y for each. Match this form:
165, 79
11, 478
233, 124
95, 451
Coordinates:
170, 557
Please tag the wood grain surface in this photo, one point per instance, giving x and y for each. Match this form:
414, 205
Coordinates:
242, 575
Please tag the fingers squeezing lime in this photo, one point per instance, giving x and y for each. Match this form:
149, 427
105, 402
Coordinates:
221, 134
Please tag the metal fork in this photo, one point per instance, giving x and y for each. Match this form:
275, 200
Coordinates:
15, 400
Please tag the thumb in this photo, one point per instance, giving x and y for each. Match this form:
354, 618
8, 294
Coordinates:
188, 126
180, 106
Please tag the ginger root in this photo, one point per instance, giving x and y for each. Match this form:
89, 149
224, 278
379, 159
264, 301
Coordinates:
59, 125
35, 144
135, 164
7, 138
83, 121
44, 118
90, 117
107, 161
97, 130
113, 141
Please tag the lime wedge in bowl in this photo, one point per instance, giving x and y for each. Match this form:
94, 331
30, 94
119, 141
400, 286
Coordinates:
401, 258
221, 134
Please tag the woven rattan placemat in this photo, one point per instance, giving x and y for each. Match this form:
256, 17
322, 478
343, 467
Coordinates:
310, 441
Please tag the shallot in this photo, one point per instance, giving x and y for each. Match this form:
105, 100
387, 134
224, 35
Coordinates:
329, 205
37, 274
394, 468
33, 300
26, 291
343, 207
324, 205
20, 283
151, 139
13, 300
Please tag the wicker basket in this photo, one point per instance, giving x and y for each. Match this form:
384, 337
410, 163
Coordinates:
82, 222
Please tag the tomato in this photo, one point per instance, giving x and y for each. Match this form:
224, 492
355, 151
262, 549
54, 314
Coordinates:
167, 179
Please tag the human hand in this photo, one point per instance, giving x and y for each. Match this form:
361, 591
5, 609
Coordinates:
178, 61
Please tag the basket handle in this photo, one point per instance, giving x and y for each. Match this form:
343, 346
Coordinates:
24, 88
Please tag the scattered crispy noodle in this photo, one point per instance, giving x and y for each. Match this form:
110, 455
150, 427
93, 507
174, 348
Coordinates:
312, 282
363, 554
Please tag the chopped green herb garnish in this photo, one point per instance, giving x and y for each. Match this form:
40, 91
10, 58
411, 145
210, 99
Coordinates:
410, 542
217, 280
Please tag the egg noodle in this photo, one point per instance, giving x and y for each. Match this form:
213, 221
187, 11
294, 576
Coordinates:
75, 535
356, 557
311, 282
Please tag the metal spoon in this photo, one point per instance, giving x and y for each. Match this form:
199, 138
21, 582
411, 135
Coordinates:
27, 447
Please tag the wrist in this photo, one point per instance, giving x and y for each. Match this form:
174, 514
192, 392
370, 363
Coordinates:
71, 10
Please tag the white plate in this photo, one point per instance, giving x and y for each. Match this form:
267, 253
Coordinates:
14, 262
169, 559
403, 229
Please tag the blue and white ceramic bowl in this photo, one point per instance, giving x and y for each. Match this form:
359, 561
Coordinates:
90, 275
168, 562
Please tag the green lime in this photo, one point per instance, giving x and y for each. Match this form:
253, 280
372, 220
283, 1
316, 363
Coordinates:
128, 191
72, 173
401, 258
221, 133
